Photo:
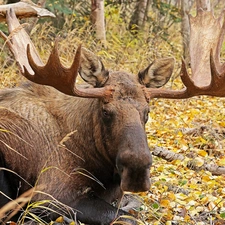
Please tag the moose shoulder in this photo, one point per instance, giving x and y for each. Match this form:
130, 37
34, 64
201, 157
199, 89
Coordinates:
85, 149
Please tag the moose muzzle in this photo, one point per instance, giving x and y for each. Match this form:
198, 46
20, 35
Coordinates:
134, 160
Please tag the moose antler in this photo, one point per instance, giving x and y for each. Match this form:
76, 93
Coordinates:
208, 75
53, 73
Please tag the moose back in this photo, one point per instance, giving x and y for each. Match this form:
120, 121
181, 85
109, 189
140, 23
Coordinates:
85, 146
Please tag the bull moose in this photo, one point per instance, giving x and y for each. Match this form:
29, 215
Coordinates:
87, 145
84, 145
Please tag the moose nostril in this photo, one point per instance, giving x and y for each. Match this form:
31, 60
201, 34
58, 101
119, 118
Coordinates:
135, 180
119, 167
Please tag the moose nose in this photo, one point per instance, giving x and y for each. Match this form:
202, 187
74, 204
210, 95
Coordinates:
134, 171
135, 180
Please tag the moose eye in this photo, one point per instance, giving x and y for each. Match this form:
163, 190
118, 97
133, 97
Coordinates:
146, 116
107, 115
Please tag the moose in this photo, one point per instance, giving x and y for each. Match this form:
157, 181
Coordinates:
85, 145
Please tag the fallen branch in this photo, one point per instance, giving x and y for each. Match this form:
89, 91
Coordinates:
213, 168
193, 164
24, 9
176, 189
166, 154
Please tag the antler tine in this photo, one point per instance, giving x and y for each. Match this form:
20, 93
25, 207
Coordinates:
185, 78
214, 72
175, 94
216, 87
17, 42
164, 93
208, 75
53, 73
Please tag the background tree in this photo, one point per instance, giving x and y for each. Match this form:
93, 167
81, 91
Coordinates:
98, 18
185, 28
139, 15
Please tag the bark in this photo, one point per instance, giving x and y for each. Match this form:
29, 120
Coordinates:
185, 28
147, 10
141, 12
98, 18
24, 9
138, 17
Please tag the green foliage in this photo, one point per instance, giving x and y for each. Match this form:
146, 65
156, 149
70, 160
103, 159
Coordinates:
164, 17
222, 215
155, 205
69, 13
3, 27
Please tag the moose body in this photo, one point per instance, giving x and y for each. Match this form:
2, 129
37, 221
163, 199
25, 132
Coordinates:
83, 152
101, 137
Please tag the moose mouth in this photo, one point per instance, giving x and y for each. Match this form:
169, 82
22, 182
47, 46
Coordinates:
134, 179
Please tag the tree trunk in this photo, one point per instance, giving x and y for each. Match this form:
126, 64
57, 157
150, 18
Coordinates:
147, 10
141, 12
185, 28
98, 18
138, 17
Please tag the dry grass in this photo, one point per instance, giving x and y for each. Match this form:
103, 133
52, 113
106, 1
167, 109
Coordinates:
122, 51
13, 207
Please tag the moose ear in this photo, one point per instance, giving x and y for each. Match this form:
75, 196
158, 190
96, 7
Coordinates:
157, 73
92, 69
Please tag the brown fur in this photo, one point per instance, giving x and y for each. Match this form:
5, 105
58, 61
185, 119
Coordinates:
62, 141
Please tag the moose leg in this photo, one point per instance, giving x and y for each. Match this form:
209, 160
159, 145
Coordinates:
93, 210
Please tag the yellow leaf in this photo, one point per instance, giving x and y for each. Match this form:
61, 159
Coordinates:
160, 168
221, 162
181, 196
59, 219
212, 206
180, 134
168, 223
157, 223
202, 153
206, 178
204, 200
171, 196
181, 202
222, 123
198, 162
164, 203
193, 186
